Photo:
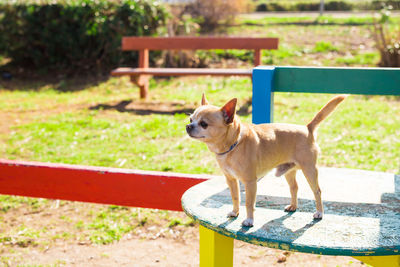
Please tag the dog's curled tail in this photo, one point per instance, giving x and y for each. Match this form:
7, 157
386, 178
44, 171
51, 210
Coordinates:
324, 112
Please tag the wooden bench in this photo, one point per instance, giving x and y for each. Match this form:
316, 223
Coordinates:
362, 223
140, 75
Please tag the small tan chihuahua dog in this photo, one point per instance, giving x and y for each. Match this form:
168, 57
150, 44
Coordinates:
246, 152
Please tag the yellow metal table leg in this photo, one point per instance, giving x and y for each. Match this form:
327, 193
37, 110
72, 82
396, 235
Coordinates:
215, 250
381, 261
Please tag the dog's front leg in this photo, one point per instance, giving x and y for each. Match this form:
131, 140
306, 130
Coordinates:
251, 192
234, 188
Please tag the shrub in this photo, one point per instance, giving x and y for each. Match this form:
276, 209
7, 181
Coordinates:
338, 5
329, 6
211, 14
199, 16
180, 24
307, 6
262, 8
387, 40
379, 4
272, 7
81, 35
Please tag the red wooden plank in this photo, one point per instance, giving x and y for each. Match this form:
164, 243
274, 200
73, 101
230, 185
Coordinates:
181, 72
193, 43
147, 189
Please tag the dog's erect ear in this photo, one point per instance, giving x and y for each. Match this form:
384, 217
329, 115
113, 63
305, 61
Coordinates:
204, 100
228, 111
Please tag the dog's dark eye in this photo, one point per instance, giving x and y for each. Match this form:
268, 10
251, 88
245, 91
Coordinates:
191, 120
203, 124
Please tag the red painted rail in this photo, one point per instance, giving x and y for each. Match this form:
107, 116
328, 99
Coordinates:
181, 72
198, 42
147, 189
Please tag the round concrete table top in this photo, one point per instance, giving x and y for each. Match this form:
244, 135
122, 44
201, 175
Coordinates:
362, 213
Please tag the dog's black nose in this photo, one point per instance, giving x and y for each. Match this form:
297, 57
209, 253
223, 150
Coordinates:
189, 128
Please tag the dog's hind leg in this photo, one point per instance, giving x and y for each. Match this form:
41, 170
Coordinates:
311, 174
291, 180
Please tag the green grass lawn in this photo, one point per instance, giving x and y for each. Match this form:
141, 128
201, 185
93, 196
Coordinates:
54, 122
362, 133
81, 135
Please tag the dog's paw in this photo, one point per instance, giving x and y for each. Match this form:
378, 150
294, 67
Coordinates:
233, 214
318, 215
248, 222
290, 208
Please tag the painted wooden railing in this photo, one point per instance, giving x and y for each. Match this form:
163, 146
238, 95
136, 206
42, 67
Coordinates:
366, 81
135, 188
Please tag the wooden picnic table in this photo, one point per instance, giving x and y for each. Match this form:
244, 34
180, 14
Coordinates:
362, 217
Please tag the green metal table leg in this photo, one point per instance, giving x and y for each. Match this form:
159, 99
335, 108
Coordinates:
381, 261
215, 250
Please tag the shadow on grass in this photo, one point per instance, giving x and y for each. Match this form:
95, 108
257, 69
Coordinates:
161, 108
19, 79
147, 108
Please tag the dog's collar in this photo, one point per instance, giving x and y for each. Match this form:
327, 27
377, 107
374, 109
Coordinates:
229, 150
232, 146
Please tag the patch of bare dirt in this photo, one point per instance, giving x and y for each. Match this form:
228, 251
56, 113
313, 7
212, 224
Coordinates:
37, 236
164, 252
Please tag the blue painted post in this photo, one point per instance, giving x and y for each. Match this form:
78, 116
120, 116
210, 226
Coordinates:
263, 96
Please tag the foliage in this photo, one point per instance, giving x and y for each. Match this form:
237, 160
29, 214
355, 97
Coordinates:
211, 14
181, 23
329, 6
387, 39
194, 18
78, 35
378, 4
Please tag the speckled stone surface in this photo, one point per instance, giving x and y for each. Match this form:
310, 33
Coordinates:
362, 213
